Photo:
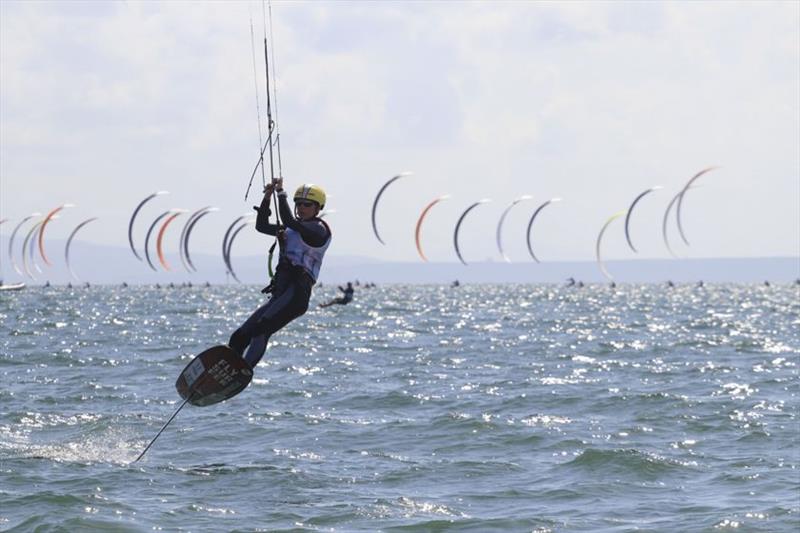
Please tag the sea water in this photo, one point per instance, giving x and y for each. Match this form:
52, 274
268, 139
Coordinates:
414, 408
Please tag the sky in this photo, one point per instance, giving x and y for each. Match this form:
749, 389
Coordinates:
104, 103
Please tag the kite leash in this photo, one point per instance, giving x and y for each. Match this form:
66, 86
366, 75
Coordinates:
270, 123
269, 55
258, 109
275, 92
273, 135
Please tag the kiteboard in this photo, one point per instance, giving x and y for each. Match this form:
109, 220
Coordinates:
214, 375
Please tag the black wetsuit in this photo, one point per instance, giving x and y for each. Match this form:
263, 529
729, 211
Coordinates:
342, 300
290, 287
348, 295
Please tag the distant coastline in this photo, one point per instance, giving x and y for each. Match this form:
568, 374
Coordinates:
98, 264
713, 270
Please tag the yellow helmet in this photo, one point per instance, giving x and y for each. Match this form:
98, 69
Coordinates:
309, 191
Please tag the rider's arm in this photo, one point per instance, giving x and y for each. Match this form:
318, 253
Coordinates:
263, 224
313, 232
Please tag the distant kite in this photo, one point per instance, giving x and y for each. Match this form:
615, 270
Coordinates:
47, 219
418, 229
600, 238
28, 250
664, 223
458, 226
499, 232
226, 248
186, 233
630, 210
69, 242
680, 200
160, 238
133, 217
147, 238
530, 225
11, 241
230, 245
378, 197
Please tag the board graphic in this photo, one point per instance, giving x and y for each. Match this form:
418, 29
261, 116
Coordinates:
215, 375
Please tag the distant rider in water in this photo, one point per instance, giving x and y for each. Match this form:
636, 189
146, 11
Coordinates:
303, 238
346, 298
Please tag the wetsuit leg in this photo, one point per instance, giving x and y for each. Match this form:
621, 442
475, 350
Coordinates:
239, 341
241, 338
256, 349
268, 319
294, 304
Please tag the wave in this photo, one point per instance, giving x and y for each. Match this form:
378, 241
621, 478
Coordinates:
626, 462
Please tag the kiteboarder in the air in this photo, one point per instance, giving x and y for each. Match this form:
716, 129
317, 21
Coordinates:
345, 299
303, 239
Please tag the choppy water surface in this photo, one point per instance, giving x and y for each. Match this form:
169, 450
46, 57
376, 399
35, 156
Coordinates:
415, 408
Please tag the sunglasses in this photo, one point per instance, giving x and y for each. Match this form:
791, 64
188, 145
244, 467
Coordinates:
305, 204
